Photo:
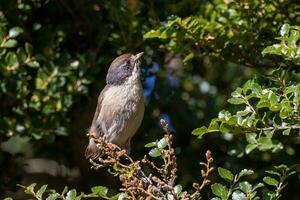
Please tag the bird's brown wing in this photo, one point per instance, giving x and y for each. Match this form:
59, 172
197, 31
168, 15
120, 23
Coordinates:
92, 151
93, 132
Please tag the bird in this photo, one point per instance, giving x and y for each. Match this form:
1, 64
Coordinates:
120, 108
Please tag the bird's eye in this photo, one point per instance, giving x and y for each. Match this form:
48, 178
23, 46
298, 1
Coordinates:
128, 62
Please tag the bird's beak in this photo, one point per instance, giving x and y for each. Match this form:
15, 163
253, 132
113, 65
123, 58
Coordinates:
138, 56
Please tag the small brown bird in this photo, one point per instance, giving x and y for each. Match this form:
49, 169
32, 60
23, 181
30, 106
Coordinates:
120, 108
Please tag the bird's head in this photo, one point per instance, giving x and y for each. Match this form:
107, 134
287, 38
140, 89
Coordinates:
124, 68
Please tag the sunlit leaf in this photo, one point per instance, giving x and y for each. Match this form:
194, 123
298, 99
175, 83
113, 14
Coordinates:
225, 174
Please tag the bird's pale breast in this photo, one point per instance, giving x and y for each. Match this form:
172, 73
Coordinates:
122, 111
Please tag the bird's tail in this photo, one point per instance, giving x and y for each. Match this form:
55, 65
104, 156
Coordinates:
92, 151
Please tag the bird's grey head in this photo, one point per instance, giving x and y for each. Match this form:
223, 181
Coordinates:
124, 67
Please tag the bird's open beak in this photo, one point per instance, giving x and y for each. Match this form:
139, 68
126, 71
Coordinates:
138, 56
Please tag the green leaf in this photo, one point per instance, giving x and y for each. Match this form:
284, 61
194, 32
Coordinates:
177, 189
8, 198
219, 190
155, 152
246, 172
189, 57
236, 101
100, 190
238, 195
15, 31
237, 93
264, 143
287, 131
250, 147
251, 138
245, 186
10, 43
258, 185
200, 131
162, 143
52, 197
270, 181
71, 195
225, 174
33, 64
275, 107
263, 104
28, 48
21, 55
11, 58
225, 128
120, 196
41, 191
152, 34
213, 126
273, 172
151, 144
284, 29
30, 189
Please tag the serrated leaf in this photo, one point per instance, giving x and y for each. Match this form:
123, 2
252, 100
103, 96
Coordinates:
155, 152
246, 172
15, 31
162, 143
41, 191
100, 190
270, 181
219, 190
225, 174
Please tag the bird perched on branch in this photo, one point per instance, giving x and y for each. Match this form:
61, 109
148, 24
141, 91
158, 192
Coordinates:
120, 107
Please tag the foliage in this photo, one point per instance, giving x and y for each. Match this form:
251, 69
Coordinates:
238, 189
266, 108
38, 90
225, 29
136, 184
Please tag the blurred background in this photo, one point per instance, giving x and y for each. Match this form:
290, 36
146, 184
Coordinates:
48, 100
